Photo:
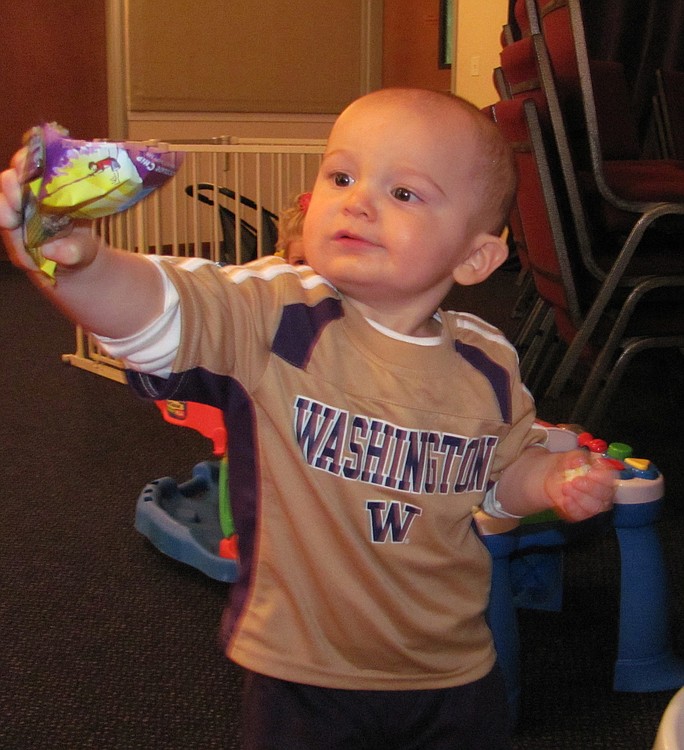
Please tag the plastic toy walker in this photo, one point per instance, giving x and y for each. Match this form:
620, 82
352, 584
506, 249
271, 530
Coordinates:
645, 661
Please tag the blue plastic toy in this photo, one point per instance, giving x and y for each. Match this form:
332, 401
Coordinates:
193, 522
645, 661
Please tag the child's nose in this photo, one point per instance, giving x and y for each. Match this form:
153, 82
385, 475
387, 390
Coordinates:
359, 201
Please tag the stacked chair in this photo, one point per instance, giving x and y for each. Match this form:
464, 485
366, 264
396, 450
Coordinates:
603, 236
602, 228
668, 110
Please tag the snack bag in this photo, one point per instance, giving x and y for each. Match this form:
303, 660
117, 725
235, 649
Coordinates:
67, 179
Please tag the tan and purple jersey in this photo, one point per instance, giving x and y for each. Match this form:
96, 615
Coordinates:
355, 461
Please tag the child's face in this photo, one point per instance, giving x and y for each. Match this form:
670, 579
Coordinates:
295, 252
393, 211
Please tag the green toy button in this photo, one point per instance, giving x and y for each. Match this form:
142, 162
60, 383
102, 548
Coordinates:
621, 451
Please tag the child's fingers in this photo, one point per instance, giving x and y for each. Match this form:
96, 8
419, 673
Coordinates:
587, 486
598, 480
579, 507
77, 247
10, 200
18, 160
590, 493
11, 219
594, 492
581, 463
11, 185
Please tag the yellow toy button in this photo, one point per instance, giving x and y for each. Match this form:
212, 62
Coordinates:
640, 464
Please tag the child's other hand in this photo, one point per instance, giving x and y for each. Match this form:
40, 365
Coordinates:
75, 250
581, 485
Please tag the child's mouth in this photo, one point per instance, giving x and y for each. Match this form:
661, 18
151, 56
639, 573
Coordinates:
351, 239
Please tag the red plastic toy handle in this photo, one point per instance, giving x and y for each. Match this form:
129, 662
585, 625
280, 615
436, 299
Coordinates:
207, 420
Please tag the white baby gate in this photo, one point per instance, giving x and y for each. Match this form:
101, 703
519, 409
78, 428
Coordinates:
248, 181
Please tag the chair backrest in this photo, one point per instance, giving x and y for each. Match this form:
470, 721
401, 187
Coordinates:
538, 209
526, 70
628, 186
602, 218
521, 74
563, 33
612, 104
526, 17
248, 244
669, 105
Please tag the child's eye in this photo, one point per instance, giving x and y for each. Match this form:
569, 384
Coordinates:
341, 179
404, 194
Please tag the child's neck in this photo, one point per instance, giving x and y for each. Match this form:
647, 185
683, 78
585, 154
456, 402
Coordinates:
400, 322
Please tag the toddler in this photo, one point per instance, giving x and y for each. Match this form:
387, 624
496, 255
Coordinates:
364, 425
290, 226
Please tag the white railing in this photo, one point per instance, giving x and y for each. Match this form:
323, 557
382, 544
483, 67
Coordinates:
263, 175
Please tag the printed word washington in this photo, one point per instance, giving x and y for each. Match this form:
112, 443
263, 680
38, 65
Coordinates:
365, 449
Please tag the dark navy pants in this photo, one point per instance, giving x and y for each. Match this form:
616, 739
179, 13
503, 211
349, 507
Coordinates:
280, 715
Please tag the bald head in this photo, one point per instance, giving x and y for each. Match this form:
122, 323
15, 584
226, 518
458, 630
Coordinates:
493, 165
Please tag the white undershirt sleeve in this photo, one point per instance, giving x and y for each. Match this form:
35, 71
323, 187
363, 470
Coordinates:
153, 349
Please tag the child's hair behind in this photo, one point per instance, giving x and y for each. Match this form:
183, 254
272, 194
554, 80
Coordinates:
291, 223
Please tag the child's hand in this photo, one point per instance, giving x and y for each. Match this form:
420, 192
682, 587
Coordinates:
580, 485
10, 210
78, 249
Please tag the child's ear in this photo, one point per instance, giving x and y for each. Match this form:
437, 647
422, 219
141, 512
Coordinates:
487, 253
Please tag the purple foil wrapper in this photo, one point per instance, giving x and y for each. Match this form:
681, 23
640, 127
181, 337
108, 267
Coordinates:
67, 179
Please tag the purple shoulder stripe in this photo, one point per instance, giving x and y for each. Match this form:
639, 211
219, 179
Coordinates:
300, 327
497, 375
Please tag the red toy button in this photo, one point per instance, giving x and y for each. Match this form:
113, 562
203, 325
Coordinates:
597, 445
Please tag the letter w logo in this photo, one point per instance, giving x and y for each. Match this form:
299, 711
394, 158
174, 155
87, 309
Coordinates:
391, 519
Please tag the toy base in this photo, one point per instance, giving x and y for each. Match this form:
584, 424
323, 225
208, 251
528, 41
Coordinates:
537, 580
182, 521
662, 672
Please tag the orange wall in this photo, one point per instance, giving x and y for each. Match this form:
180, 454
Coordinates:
52, 67
411, 45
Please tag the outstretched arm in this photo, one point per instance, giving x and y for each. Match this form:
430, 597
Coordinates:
109, 292
576, 484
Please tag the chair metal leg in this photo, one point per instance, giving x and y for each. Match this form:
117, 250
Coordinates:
612, 344
604, 296
536, 380
527, 296
530, 326
537, 346
596, 409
